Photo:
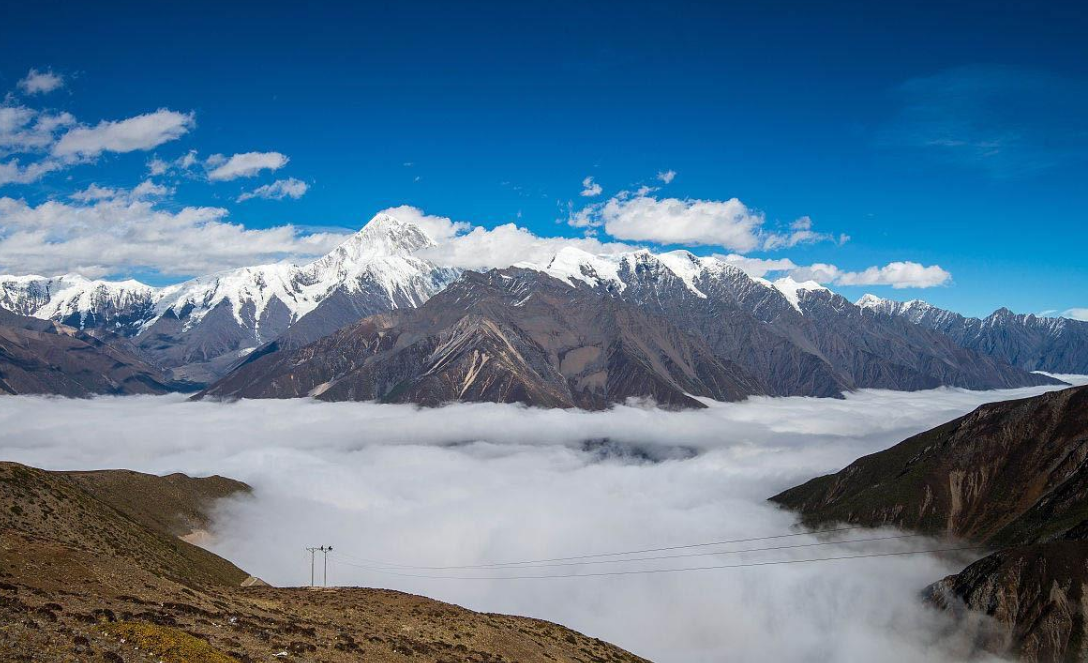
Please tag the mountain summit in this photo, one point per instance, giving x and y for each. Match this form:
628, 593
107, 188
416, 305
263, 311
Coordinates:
200, 328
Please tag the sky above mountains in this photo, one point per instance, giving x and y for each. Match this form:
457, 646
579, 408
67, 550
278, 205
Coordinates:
932, 151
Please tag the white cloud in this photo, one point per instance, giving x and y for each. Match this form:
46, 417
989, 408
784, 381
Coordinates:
507, 245
895, 274
123, 234
590, 188
13, 173
24, 129
900, 274
142, 132
40, 82
472, 484
1076, 313
246, 164
439, 228
278, 190
144, 190
94, 192
728, 223
759, 267
666, 176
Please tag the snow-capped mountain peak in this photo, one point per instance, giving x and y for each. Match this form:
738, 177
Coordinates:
792, 289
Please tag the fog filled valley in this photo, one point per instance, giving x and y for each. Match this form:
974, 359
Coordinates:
403, 494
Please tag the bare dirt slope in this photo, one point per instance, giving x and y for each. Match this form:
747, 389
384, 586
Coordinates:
86, 576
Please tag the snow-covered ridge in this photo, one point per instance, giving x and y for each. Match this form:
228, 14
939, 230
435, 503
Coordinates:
377, 257
615, 272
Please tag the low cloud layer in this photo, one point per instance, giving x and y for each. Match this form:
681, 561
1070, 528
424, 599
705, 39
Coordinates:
471, 484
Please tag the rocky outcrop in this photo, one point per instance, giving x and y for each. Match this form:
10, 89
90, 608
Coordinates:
1037, 593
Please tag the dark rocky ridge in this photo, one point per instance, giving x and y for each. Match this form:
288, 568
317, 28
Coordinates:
1034, 343
505, 336
1008, 474
44, 357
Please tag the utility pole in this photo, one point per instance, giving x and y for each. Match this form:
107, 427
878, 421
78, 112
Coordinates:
325, 578
324, 550
312, 551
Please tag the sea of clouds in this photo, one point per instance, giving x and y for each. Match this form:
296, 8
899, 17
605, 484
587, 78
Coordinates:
476, 484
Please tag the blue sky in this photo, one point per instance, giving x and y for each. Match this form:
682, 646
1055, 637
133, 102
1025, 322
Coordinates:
951, 134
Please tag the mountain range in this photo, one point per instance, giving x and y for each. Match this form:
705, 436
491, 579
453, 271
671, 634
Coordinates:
373, 320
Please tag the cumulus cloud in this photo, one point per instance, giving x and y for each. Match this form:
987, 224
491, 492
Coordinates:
40, 82
12, 172
25, 130
184, 163
507, 245
590, 188
472, 484
118, 232
142, 132
759, 267
246, 164
666, 176
728, 223
896, 274
439, 228
145, 189
278, 190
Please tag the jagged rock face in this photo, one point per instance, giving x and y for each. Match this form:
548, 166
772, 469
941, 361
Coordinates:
1007, 473
203, 327
1036, 593
43, 357
511, 335
1033, 343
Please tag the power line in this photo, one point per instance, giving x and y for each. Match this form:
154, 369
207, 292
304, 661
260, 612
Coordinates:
609, 554
659, 571
657, 557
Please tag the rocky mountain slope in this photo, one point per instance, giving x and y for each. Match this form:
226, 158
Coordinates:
43, 357
1034, 343
588, 331
200, 328
1008, 474
513, 335
85, 577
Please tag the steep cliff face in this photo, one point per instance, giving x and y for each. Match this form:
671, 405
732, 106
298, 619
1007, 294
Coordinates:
1008, 474
1038, 592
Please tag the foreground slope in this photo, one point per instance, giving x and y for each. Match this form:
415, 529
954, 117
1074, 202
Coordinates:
1008, 474
88, 575
43, 357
